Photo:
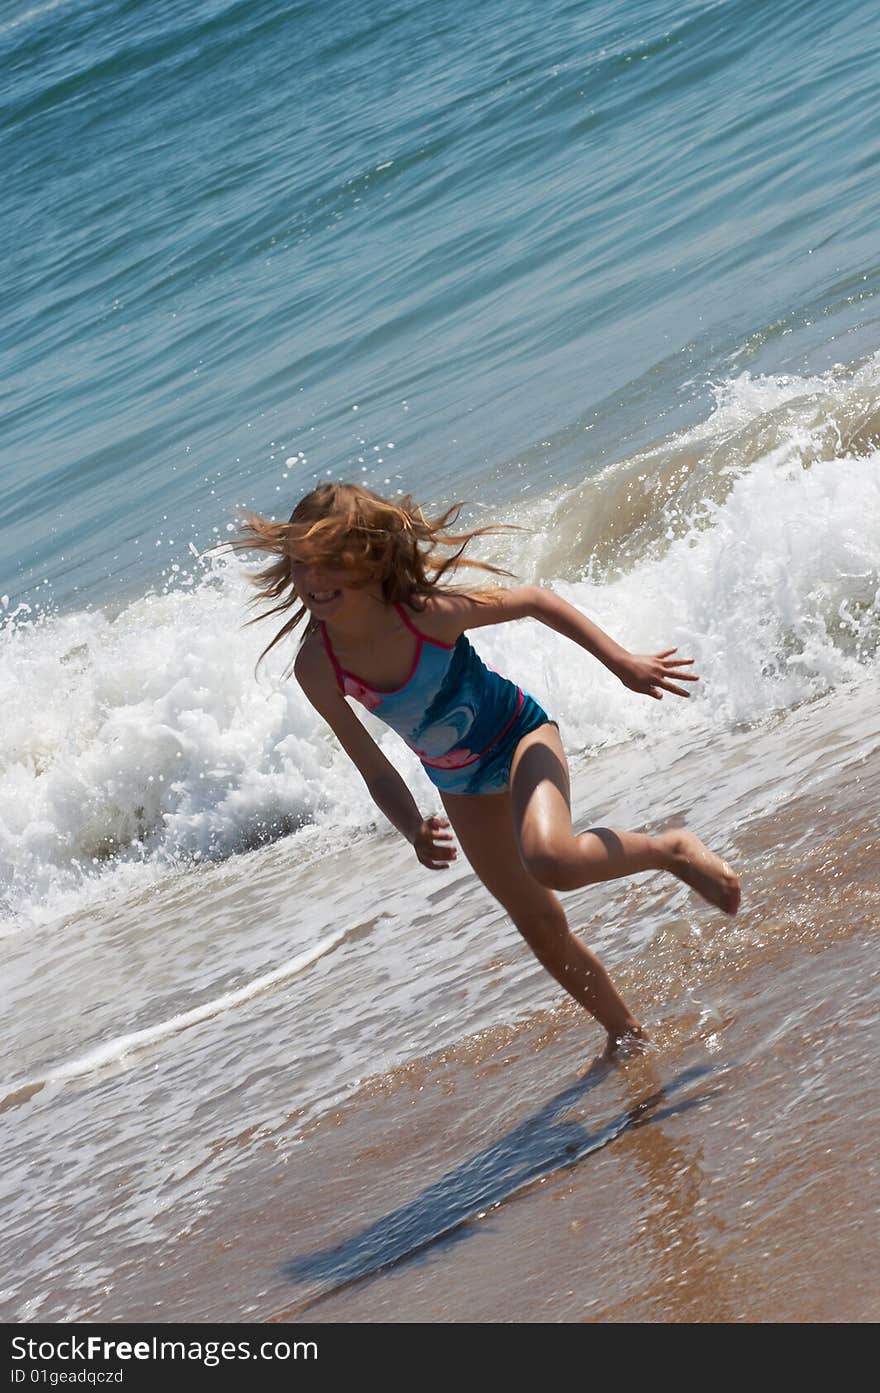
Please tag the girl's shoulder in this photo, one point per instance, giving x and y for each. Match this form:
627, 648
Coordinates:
444, 615
433, 616
448, 613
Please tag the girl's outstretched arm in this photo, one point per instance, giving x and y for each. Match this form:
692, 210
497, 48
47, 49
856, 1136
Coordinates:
651, 674
430, 837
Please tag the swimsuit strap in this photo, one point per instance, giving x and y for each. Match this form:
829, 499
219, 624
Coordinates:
423, 638
332, 656
409, 624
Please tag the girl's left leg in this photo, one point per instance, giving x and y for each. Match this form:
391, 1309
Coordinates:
484, 827
562, 860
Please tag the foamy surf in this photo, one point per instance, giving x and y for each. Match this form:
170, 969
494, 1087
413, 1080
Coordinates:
155, 749
118, 1051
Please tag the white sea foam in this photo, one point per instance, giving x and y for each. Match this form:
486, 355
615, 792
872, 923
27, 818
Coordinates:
120, 1048
133, 745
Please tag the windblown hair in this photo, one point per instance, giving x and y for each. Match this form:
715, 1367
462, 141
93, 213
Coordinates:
347, 527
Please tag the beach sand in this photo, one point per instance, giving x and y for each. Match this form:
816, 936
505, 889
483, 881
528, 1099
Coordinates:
729, 1174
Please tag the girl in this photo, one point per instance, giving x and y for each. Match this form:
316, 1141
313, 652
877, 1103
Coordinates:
382, 629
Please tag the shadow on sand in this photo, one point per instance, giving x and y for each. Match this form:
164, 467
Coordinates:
542, 1144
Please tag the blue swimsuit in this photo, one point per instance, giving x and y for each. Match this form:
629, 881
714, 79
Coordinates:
462, 719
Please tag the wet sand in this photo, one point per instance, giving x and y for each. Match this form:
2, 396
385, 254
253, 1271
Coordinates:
734, 1175
728, 1175
736, 1186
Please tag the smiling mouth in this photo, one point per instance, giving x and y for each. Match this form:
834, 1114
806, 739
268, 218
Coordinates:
322, 597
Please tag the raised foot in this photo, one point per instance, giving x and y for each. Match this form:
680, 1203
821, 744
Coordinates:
703, 871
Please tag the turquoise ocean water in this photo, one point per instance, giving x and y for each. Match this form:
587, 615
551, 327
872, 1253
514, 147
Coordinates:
609, 270
520, 239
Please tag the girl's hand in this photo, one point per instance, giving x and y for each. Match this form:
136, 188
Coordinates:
649, 674
432, 844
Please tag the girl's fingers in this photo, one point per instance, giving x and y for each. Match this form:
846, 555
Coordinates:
669, 671
667, 659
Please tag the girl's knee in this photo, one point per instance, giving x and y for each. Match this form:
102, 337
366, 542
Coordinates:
546, 860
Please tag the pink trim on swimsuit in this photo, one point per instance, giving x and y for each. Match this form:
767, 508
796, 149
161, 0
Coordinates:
328, 647
408, 722
438, 643
342, 673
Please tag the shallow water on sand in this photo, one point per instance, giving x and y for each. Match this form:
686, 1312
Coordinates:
313, 1154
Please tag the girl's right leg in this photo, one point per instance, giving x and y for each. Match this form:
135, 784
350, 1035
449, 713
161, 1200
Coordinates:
564, 860
483, 824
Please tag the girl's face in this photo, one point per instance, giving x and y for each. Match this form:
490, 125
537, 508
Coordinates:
323, 590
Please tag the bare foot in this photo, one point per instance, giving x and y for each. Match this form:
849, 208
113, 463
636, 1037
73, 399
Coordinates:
702, 870
624, 1044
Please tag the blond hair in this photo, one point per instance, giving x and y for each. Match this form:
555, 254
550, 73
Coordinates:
347, 527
